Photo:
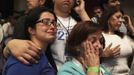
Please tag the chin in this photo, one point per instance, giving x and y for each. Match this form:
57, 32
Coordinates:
52, 38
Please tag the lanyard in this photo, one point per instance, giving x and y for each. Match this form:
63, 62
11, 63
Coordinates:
67, 29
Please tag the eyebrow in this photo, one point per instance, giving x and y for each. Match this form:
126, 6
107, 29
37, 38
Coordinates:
46, 19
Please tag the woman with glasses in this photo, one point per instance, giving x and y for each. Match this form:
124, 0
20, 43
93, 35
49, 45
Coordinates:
41, 30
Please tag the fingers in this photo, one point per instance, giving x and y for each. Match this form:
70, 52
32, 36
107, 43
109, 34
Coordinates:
82, 2
116, 47
107, 51
126, 16
116, 51
84, 63
33, 54
109, 46
88, 48
81, 5
23, 60
25, 51
32, 51
92, 50
112, 52
89, 56
29, 58
116, 54
78, 2
33, 46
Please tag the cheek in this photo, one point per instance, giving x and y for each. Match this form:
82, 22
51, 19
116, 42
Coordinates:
116, 22
42, 28
113, 22
97, 43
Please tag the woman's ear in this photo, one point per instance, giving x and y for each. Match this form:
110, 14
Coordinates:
31, 31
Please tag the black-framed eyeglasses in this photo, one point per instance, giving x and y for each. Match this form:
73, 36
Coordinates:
48, 22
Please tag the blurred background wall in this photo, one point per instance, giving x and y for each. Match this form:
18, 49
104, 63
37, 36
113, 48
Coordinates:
7, 7
128, 7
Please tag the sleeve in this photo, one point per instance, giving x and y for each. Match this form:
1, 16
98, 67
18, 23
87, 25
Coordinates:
14, 67
20, 70
66, 70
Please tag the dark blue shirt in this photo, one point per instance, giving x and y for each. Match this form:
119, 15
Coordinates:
15, 67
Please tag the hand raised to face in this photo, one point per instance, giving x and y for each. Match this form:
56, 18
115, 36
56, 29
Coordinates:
90, 56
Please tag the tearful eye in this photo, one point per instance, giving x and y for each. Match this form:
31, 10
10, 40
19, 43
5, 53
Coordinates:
48, 22
45, 22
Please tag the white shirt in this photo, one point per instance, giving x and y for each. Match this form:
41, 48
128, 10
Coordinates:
58, 47
118, 65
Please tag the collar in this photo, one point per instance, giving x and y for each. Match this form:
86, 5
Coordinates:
77, 63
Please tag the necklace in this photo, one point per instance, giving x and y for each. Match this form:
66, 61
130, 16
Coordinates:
61, 24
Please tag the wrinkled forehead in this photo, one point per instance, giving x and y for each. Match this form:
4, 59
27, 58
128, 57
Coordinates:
47, 14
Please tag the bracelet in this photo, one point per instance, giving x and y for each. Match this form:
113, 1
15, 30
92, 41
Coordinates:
93, 69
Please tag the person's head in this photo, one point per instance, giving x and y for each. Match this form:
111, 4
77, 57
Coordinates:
41, 25
97, 11
112, 20
107, 4
64, 6
80, 33
34, 3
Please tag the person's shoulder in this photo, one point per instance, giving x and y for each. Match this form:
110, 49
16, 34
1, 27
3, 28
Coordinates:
11, 61
69, 68
22, 17
128, 38
67, 65
66, 69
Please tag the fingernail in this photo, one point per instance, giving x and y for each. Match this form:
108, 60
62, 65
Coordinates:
39, 48
36, 61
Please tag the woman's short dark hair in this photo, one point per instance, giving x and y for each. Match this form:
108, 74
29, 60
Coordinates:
79, 33
33, 16
105, 17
